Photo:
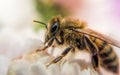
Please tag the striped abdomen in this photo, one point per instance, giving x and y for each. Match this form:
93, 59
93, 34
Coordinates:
108, 58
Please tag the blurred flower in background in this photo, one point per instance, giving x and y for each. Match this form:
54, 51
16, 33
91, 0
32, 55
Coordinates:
18, 34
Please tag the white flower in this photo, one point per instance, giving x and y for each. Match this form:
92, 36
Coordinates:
35, 64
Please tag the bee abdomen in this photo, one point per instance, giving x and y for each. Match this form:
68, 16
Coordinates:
108, 58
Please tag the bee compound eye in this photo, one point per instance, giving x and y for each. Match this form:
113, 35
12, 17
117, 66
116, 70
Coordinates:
54, 27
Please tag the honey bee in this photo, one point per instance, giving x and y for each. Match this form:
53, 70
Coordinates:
75, 35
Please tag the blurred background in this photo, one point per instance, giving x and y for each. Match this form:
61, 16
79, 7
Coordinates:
19, 35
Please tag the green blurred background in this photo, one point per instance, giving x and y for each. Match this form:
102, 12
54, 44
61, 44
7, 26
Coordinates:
46, 9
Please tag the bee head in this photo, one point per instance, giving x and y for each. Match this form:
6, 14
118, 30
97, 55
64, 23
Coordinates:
53, 28
54, 25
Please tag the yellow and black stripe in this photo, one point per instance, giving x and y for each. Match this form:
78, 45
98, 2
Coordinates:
108, 58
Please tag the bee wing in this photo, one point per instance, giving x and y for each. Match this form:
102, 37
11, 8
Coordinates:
100, 36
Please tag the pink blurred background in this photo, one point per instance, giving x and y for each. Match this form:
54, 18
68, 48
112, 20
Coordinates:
16, 28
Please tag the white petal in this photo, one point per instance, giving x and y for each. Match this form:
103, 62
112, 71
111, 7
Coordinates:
21, 67
39, 69
4, 63
70, 69
85, 72
54, 69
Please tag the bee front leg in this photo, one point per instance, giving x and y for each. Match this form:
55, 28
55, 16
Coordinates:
61, 41
57, 59
50, 42
94, 51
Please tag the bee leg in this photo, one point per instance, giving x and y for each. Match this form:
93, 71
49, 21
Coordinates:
61, 41
57, 59
94, 51
50, 42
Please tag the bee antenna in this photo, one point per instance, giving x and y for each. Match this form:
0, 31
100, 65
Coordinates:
40, 23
